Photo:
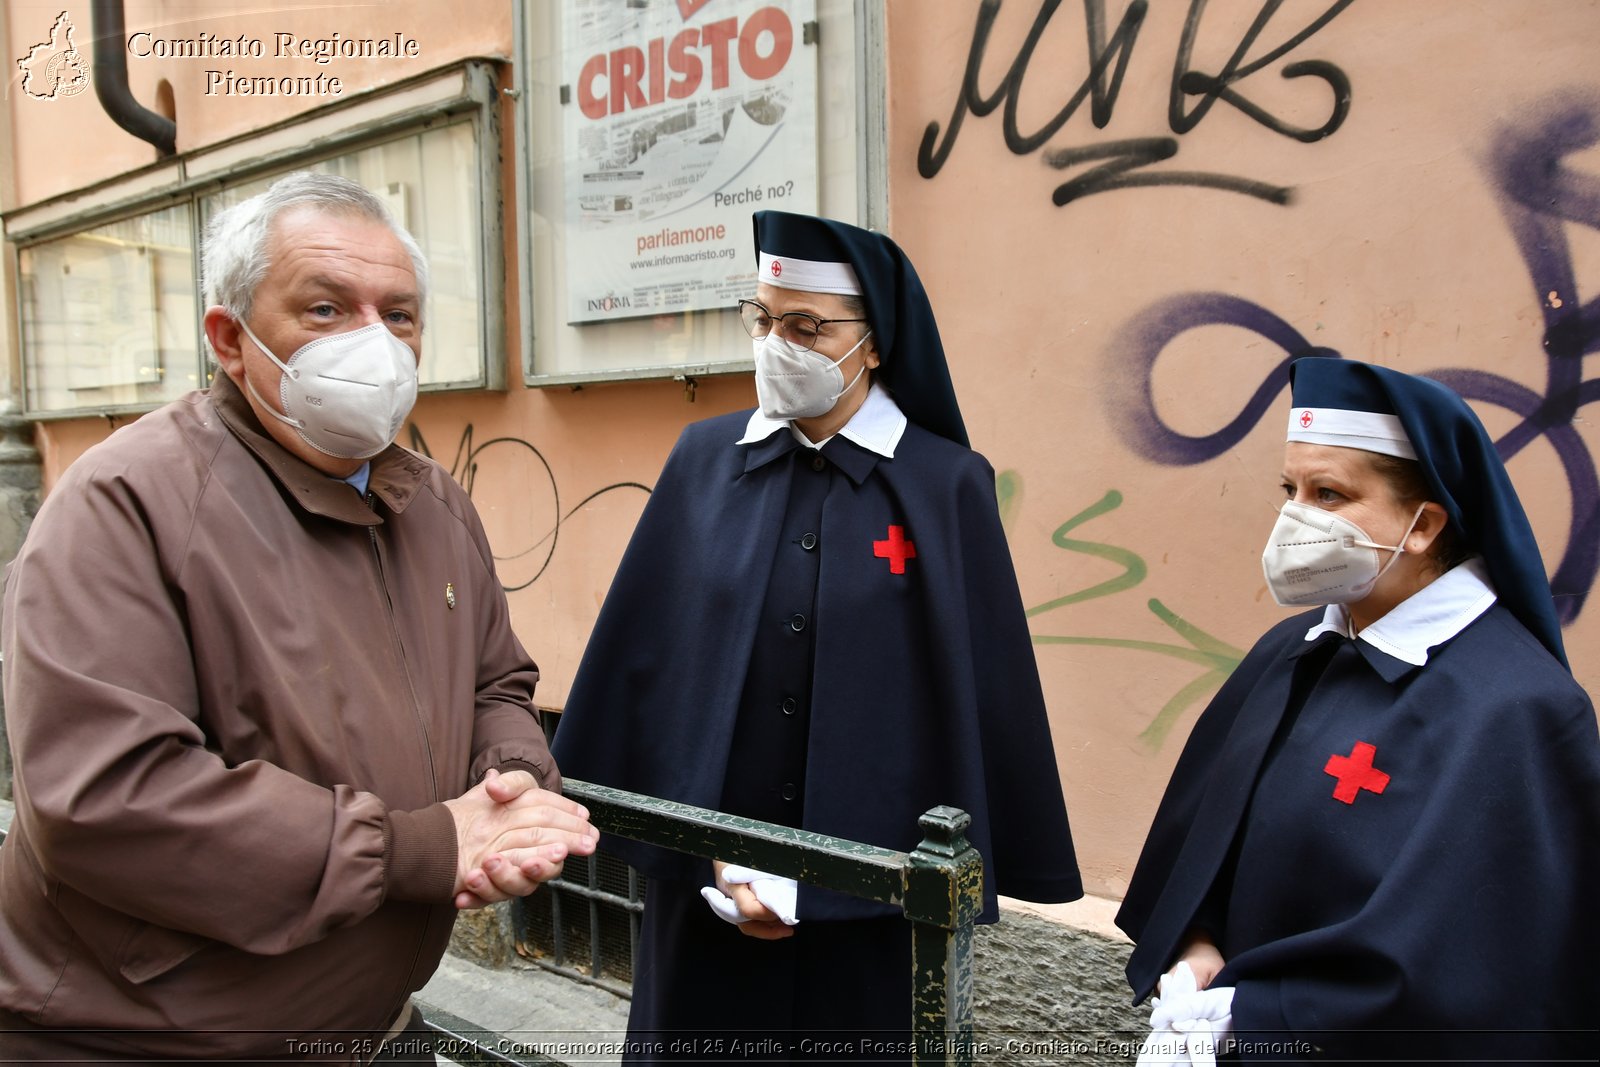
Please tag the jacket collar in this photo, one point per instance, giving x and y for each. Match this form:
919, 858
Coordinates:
396, 473
774, 446
855, 461
1401, 641
877, 425
872, 433
1390, 668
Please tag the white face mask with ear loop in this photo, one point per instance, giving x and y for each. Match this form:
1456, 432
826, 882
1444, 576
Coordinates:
796, 383
346, 394
1314, 557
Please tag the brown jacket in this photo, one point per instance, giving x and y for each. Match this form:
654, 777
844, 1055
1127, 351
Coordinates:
237, 694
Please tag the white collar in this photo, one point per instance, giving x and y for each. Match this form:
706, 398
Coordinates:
1426, 619
876, 426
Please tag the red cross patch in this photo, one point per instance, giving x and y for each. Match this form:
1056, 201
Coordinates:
777, 268
896, 549
1356, 772
1305, 420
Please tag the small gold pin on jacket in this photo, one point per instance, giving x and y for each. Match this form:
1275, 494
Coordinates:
450, 596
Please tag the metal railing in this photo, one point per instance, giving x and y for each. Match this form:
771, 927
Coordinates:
939, 885
585, 924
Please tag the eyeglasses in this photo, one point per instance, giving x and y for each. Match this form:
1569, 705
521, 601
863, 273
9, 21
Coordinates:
797, 327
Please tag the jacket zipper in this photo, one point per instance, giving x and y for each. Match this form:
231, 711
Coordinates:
416, 711
400, 651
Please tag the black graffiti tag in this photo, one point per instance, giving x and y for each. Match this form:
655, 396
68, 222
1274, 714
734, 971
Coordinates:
1124, 160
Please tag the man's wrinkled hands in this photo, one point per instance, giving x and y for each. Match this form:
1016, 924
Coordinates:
512, 835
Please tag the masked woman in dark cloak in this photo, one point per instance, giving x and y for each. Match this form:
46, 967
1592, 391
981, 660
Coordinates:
817, 624
1382, 840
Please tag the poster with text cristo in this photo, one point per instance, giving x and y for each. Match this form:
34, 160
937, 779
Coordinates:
683, 117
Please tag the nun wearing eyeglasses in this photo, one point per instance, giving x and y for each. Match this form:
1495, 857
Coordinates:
1382, 840
817, 624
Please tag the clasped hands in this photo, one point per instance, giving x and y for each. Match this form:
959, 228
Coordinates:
512, 835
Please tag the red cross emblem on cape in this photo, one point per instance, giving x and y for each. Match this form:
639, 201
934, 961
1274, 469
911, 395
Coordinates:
1356, 772
896, 549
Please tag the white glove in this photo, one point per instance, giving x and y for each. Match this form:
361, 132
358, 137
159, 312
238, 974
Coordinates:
1187, 1024
780, 895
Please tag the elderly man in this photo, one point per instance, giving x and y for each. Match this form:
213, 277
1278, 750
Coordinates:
271, 724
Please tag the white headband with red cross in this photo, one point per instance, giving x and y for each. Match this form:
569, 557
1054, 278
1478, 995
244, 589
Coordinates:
1369, 431
807, 275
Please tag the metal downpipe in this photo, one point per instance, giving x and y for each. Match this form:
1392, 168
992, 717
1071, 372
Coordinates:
111, 81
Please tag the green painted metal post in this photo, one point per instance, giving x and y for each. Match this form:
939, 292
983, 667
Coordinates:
944, 894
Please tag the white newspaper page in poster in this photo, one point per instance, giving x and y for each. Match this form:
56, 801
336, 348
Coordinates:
684, 116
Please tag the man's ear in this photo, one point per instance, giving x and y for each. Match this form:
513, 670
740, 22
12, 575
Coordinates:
226, 339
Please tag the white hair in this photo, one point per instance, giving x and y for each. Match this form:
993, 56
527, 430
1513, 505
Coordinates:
234, 260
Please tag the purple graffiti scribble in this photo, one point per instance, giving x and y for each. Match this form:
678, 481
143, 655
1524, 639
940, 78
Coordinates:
1129, 391
1538, 195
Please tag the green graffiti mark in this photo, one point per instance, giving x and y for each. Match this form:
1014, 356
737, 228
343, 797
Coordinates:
1008, 495
1218, 658
1133, 568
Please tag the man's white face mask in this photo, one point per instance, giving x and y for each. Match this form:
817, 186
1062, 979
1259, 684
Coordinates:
347, 394
793, 382
1314, 557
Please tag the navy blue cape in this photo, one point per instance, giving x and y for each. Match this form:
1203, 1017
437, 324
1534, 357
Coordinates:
1450, 916
925, 687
